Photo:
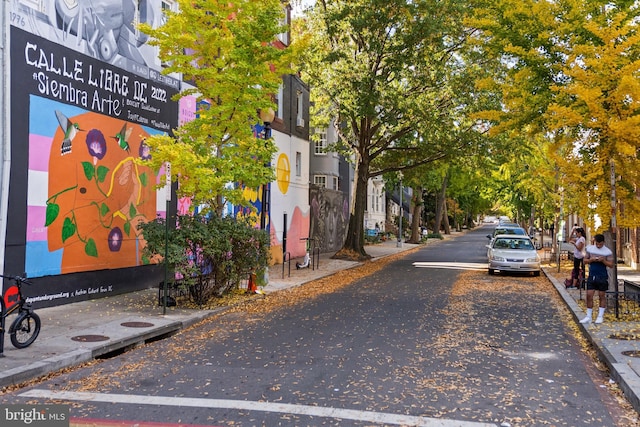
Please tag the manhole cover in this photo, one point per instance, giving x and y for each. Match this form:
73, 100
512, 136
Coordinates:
630, 335
90, 338
632, 353
137, 324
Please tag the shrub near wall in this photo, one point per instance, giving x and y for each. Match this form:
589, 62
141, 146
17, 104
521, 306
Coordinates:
208, 256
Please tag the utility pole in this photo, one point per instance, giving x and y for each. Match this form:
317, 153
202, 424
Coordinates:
614, 224
401, 214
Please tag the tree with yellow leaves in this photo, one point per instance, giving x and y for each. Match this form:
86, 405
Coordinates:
227, 52
598, 111
568, 74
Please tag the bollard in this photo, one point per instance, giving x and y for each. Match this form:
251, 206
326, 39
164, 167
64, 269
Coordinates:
3, 309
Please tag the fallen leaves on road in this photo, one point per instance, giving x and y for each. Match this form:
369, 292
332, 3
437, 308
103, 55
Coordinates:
460, 347
317, 287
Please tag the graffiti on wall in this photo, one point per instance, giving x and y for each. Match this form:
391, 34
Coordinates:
86, 215
103, 29
82, 125
329, 218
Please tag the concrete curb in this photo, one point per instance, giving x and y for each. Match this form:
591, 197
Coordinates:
35, 370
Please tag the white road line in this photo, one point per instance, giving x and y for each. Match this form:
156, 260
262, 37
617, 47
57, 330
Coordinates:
453, 265
314, 411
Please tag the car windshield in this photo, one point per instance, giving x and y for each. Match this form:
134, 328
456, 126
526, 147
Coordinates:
521, 244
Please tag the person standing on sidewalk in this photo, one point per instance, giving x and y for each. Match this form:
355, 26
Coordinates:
578, 242
599, 257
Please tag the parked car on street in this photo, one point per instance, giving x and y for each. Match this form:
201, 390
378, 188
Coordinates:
507, 229
507, 224
490, 219
513, 253
504, 219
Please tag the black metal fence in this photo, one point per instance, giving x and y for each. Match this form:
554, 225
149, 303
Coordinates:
626, 300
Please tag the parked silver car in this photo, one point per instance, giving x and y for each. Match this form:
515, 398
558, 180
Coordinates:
507, 229
513, 253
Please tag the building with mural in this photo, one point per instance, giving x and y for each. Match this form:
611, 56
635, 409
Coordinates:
332, 180
288, 213
86, 90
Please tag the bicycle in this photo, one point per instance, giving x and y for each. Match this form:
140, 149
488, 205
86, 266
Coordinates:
26, 326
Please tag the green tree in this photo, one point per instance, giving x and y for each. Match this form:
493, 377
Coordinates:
227, 51
383, 70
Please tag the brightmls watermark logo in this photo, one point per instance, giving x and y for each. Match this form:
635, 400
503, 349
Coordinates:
34, 415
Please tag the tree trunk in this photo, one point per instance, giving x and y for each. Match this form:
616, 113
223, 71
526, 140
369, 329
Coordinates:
440, 205
388, 221
541, 223
416, 208
445, 215
353, 247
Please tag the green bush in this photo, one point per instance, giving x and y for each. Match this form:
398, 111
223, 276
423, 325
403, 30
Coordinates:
208, 256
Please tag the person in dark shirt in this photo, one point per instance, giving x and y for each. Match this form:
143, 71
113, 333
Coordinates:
598, 257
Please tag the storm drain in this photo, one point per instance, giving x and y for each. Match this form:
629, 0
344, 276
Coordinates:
90, 338
629, 335
631, 353
137, 324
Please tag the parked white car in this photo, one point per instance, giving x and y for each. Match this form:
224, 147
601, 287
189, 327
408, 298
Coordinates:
505, 230
490, 220
513, 253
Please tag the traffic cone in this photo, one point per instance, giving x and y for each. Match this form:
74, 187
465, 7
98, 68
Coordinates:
252, 287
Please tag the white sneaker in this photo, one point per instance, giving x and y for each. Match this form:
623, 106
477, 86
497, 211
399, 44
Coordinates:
586, 319
599, 319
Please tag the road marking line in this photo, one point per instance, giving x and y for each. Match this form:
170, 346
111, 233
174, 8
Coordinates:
453, 265
94, 422
314, 411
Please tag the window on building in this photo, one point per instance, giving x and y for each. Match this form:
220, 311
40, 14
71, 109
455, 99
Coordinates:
321, 143
377, 200
298, 163
278, 101
285, 21
335, 182
320, 181
299, 110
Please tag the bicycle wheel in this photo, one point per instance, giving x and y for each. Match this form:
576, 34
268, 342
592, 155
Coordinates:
25, 329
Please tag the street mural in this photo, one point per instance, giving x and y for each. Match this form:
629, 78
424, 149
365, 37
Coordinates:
102, 29
329, 218
86, 90
97, 192
284, 198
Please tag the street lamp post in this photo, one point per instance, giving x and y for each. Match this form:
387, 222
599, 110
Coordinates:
401, 214
267, 117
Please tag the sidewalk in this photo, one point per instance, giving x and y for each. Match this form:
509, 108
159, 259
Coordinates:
76, 333
617, 343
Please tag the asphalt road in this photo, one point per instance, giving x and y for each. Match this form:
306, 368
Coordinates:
430, 340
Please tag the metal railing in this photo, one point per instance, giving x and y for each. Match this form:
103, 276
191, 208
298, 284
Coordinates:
625, 302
